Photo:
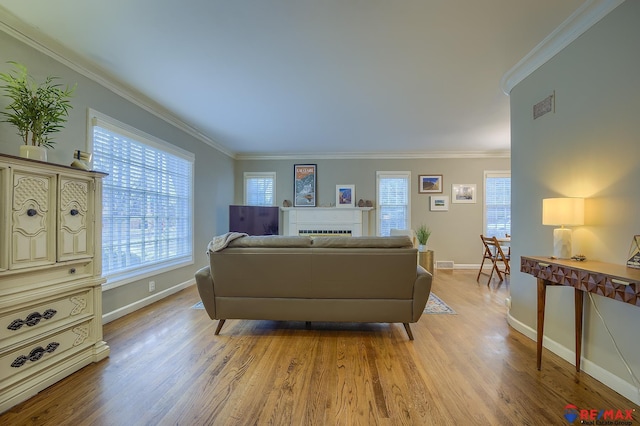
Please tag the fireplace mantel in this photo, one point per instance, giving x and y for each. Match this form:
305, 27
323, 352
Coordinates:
326, 220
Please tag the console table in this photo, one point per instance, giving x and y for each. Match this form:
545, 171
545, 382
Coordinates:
606, 279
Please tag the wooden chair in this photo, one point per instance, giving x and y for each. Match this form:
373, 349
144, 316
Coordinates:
493, 252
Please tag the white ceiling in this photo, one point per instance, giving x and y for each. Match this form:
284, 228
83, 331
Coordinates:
278, 77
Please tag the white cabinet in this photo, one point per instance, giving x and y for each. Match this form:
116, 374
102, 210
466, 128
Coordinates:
50, 275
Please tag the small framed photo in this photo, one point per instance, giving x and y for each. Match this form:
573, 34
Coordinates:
345, 195
463, 193
430, 184
439, 203
304, 185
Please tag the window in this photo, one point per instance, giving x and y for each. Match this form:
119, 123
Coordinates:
260, 189
147, 208
497, 203
393, 201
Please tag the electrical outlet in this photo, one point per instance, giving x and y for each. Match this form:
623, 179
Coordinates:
152, 286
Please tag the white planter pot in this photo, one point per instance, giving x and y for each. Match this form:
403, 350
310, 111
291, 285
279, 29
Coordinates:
33, 152
422, 247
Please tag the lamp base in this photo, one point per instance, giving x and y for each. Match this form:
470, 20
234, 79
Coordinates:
562, 243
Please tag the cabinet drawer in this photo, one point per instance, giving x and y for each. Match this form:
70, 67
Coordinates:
44, 315
45, 352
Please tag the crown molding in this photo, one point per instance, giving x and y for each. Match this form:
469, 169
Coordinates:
573, 27
373, 155
19, 30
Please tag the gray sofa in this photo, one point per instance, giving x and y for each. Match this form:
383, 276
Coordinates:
344, 279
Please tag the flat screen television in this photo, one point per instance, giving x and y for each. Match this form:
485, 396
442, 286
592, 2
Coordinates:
254, 220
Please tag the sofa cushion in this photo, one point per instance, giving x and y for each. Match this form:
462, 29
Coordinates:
401, 241
271, 241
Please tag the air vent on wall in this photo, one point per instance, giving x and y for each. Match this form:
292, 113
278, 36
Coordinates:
444, 264
544, 106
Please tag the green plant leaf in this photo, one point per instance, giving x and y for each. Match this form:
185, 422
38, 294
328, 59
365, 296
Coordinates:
36, 109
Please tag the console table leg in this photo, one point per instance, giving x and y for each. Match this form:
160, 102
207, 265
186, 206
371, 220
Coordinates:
542, 292
579, 302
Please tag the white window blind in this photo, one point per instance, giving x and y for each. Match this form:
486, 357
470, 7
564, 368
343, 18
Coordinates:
393, 201
259, 188
497, 204
147, 209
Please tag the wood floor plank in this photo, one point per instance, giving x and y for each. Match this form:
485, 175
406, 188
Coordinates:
168, 368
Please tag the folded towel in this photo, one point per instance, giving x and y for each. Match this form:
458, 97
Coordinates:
221, 241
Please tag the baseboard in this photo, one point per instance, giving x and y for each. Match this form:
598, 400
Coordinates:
118, 313
618, 384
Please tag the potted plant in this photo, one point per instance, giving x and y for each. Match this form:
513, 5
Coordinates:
37, 109
422, 235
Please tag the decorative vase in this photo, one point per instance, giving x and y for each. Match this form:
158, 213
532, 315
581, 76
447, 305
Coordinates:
422, 247
33, 152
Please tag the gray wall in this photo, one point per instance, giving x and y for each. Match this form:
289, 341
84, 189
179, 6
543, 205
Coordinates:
455, 233
214, 171
590, 148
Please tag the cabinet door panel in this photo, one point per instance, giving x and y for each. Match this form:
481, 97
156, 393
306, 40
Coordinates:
75, 239
33, 213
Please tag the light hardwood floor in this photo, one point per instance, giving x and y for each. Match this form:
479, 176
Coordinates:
167, 368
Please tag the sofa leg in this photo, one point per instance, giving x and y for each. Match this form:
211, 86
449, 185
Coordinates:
220, 324
408, 329
307, 324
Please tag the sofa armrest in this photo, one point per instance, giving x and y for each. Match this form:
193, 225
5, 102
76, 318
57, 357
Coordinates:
204, 281
421, 290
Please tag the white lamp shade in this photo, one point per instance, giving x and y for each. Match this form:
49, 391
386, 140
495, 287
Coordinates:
563, 211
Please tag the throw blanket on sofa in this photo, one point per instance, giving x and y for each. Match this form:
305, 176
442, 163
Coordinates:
221, 241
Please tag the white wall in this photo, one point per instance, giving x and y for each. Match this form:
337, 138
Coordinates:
590, 147
213, 170
455, 233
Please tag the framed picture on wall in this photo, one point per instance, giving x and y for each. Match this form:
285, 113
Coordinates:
430, 184
463, 193
439, 203
305, 180
345, 195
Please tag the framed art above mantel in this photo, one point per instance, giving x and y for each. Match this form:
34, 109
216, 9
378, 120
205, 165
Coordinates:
305, 185
345, 195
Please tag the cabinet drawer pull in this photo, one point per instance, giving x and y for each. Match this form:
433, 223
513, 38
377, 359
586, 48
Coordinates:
35, 354
32, 212
32, 319
617, 281
73, 212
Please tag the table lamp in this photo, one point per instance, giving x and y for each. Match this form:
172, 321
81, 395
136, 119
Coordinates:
562, 212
